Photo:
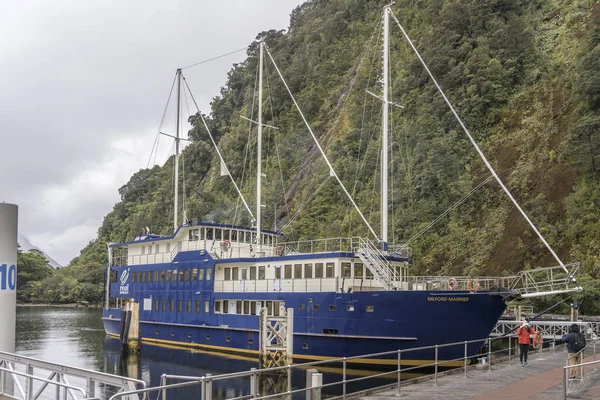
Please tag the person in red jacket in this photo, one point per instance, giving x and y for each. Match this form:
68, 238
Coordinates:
524, 333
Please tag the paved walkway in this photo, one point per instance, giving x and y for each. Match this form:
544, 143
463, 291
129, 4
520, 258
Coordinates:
541, 380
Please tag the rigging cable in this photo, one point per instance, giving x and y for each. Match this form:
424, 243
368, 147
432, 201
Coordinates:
162, 120
215, 58
303, 206
459, 202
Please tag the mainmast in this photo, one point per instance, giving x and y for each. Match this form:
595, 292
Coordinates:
259, 151
384, 129
175, 224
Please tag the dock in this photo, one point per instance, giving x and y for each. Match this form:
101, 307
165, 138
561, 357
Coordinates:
542, 379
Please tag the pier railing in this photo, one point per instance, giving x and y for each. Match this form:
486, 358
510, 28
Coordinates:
25, 378
401, 375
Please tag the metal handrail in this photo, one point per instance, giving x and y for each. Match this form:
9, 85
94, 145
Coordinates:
207, 381
568, 367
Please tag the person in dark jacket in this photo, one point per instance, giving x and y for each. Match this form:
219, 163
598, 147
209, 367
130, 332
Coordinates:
524, 333
574, 354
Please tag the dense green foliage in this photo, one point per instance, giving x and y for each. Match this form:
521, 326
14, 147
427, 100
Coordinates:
523, 75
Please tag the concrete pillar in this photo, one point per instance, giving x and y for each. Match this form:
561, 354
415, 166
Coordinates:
8, 275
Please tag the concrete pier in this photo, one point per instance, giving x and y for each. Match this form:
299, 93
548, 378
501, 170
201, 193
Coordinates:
542, 379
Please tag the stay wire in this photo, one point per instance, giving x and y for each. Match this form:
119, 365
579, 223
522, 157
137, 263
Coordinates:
162, 120
215, 58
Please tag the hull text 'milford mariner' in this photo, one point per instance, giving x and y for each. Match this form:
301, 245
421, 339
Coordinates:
204, 286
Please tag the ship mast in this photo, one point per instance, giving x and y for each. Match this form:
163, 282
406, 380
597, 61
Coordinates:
175, 225
384, 130
259, 151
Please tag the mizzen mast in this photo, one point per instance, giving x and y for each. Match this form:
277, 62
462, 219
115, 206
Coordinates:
177, 139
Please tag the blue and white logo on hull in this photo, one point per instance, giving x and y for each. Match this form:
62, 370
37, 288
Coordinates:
124, 288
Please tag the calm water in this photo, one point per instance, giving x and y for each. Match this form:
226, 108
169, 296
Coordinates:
75, 336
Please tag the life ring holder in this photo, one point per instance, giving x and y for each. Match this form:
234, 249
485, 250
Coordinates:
537, 341
452, 284
473, 285
225, 245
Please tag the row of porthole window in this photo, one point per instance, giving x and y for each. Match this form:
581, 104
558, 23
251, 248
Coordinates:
189, 335
350, 308
182, 275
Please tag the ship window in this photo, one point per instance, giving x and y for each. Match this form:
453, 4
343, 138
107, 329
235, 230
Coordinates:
168, 249
246, 307
308, 271
144, 276
209, 274
252, 272
143, 250
155, 276
218, 234
168, 275
250, 341
248, 236
369, 309
150, 274
139, 276
149, 249
156, 332
188, 306
269, 306
330, 331
133, 277
368, 274
194, 274
206, 306
244, 274
197, 306
226, 234
189, 335
276, 308
157, 248
297, 271
349, 308
225, 307
207, 337
172, 305
217, 306
187, 275
358, 270
287, 272
155, 304
278, 272
162, 276
316, 307
234, 236
332, 308
329, 270
193, 234
399, 271
253, 237
302, 306
172, 333
252, 308
180, 275
180, 305
318, 270
228, 339
261, 272
164, 305
209, 234
201, 274
227, 274
234, 273
345, 270
174, 275
238, 307
305, 346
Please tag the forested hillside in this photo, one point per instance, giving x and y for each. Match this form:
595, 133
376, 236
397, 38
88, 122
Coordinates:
523, 74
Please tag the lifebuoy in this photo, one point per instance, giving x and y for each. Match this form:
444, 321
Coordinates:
537, 340
225, 244
473, 285
452, 284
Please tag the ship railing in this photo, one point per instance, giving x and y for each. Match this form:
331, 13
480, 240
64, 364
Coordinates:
145, 259
329, 245
279, 379
458, 283
306, 285
549, 329
548, 280
26, 378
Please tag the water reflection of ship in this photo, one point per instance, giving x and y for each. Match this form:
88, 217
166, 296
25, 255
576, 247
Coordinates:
154, 361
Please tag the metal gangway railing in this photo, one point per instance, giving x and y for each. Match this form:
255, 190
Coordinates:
400, 376
26, 378
577, 375
548, 329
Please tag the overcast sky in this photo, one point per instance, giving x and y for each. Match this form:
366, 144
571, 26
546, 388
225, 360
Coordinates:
83, 87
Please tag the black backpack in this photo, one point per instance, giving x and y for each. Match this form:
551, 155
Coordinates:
579, 343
